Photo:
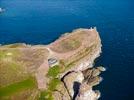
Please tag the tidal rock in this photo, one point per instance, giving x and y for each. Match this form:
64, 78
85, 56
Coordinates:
91, 76
95, 72
101, 68
94, 81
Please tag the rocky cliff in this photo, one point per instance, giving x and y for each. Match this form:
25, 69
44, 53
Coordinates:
76, 53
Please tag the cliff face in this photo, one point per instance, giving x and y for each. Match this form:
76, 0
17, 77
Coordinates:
62, 70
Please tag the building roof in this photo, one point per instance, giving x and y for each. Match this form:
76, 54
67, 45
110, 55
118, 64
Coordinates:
52, 61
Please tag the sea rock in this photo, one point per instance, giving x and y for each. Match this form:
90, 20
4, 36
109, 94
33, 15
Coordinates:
94, 81
91, 76
101, 68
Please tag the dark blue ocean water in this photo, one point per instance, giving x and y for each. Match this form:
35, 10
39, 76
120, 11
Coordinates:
43, 21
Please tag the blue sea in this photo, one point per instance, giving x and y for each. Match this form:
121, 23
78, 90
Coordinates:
43, 21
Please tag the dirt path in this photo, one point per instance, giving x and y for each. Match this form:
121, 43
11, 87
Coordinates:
41, 75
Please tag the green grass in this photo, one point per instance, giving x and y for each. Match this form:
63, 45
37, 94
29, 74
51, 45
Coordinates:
54, 71
46, 95
17, 87
53, 83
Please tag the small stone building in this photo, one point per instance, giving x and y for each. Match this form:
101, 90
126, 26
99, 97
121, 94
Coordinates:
52, 62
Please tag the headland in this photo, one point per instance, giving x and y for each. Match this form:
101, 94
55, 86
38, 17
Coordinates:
62, 70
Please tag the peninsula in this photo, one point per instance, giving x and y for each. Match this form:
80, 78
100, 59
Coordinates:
62, 70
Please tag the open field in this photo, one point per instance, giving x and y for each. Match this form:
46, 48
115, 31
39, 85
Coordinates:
18, 65
17, 87
10, 70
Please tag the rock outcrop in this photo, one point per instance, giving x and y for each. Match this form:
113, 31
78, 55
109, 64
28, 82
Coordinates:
79, 84
86, 93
